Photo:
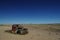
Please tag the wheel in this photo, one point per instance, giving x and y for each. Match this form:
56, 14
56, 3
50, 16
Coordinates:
22, 32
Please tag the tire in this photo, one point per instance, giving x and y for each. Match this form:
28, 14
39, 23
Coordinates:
22, 31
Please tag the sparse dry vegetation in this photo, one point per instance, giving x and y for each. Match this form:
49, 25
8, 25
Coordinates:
36, 32
54, 29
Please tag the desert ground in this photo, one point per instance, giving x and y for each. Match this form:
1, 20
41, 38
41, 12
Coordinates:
36, 32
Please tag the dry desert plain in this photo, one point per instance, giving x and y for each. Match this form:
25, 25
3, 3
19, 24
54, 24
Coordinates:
36, 32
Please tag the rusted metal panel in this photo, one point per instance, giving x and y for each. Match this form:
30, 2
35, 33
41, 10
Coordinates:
14, 27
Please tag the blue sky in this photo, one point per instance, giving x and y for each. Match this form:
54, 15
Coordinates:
29, 11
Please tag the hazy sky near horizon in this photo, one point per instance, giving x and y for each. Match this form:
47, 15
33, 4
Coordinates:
29, 11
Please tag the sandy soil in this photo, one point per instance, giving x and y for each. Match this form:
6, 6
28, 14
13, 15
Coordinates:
35, 33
